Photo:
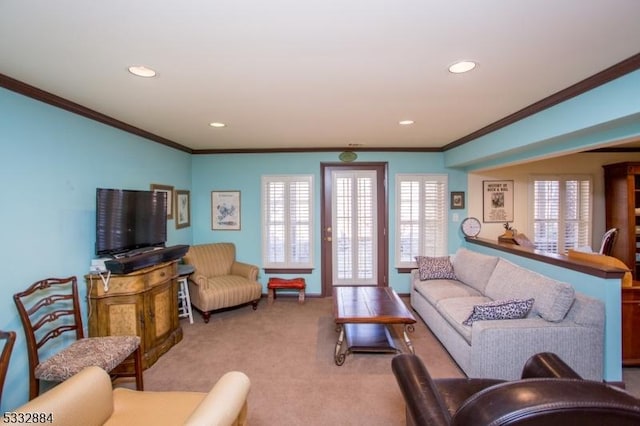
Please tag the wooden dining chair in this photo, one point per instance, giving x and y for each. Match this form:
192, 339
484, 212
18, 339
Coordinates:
9, 338
50, 314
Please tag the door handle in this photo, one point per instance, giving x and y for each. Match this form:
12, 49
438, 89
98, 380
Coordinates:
328, 234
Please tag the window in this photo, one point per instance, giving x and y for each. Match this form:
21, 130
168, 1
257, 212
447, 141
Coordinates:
561, 212
287, 221
421, 217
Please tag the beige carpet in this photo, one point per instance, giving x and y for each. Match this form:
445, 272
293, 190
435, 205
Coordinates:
286, 349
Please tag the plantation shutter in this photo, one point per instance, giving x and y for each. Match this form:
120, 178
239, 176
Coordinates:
561, 212
421, 217
287, 222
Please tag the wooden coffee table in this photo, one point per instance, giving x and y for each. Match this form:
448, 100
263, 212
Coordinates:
362, 315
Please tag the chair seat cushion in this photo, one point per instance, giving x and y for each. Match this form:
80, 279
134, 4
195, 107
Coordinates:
225, 291
152, 408
296, 283
104, 352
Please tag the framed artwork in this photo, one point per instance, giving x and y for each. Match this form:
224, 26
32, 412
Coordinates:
183, 209
225, 210
457, 199
169, 191
497, 201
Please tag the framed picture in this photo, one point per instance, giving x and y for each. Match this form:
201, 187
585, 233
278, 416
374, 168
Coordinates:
225, 210
183, 209
457, 199
497, 201
169, 191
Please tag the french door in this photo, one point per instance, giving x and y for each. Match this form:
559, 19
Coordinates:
354, 225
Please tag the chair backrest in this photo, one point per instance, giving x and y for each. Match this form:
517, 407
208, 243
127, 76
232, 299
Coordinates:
48, 309
9, 338
211, 260
608, 240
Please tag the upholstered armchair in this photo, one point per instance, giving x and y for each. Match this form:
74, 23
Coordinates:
550, 393
88, 399
219, 281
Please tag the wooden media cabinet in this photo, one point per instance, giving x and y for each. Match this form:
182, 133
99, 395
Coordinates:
142, 303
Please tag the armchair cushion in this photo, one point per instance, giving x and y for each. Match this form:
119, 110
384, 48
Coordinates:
211, 260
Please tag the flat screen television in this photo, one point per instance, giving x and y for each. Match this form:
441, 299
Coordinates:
127, 220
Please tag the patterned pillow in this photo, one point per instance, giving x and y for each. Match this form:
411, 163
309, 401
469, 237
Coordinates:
500, 309
435, 268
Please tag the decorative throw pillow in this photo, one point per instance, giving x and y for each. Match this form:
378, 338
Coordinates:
435, 268
500, 309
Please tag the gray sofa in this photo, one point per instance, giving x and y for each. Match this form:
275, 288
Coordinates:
560, 320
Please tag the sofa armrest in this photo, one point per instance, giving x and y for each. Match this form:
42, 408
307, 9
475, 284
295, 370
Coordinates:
424, 405
84, 399
245, 270
500, 348
225, 404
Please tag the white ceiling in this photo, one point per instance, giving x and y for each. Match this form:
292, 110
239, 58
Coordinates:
312, 74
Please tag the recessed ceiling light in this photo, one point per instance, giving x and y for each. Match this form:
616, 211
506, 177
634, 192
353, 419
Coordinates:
142, 71
406, 122
462, 66
217, 124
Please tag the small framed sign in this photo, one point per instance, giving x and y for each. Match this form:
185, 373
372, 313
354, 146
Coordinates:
225, 210
183, 209
457, 199
497, 201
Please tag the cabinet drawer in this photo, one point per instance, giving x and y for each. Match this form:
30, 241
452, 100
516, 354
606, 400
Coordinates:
133, 283
161, 275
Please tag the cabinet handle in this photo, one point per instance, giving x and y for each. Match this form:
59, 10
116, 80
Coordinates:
162, 274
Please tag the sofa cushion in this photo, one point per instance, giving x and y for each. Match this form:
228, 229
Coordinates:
473, 268
436, 290
553, 299
500, 309
455, 310
435, 268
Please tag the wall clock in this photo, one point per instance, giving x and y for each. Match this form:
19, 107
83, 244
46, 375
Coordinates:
470, 227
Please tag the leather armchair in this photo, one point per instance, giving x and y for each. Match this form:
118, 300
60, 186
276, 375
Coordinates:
87, 399
549, 393
219, 281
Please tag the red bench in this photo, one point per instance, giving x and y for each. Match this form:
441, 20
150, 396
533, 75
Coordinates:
286, 284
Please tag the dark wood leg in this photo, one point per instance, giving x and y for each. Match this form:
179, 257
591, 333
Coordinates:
206, 316
34, 387
138, 369
254, 304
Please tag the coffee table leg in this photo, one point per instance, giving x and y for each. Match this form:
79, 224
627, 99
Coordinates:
409, 328
339, 356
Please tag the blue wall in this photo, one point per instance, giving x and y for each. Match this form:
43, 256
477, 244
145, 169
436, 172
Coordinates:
243, 172
51, 162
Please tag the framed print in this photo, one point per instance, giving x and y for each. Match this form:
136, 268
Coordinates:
457, 199
497, 201
169, 191
183, 209
225, 210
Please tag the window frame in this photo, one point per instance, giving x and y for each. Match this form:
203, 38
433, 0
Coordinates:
562, 220
441, 247
287, 265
